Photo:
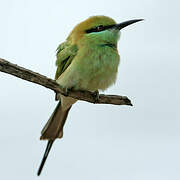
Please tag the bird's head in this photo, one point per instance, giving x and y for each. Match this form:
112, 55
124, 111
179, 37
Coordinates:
98, 30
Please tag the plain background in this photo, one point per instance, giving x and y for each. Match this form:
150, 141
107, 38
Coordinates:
100, 142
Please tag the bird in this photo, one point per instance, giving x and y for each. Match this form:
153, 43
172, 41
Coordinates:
87, 60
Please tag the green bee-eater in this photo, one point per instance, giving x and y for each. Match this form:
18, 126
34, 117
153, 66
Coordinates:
87, 60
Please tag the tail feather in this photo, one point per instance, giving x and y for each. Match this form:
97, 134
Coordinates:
48, 148
54, 127
52, 130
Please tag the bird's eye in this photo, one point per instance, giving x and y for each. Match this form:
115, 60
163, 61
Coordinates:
100, 28
95, 29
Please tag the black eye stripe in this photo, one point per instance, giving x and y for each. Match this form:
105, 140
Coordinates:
98, 28
95, 29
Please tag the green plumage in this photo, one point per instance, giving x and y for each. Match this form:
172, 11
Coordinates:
65, 55
90, 64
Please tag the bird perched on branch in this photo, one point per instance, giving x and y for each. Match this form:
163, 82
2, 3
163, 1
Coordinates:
87, 60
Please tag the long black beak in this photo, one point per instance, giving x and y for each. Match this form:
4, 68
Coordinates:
126, 23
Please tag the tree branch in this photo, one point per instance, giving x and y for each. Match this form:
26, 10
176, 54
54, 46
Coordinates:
37, 78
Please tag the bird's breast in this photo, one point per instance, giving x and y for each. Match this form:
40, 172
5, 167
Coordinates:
97, 67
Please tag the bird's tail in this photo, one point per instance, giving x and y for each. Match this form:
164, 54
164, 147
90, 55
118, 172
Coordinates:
54, 127
52, 130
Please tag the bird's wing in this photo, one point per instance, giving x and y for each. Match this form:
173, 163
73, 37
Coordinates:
65, 54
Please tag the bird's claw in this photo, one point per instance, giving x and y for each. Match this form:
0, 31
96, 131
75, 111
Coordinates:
96, 96
66, 91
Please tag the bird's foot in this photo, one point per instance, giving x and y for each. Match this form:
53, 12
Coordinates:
96, 96
67, 91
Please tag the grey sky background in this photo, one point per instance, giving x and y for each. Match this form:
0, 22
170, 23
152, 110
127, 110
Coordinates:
100, 142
